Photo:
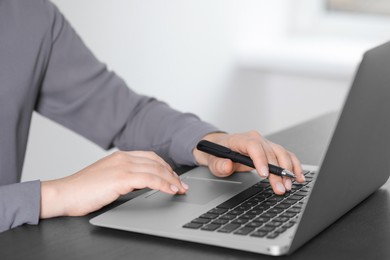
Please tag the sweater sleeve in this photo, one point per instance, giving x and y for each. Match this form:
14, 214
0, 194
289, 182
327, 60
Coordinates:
21, 206
80, 93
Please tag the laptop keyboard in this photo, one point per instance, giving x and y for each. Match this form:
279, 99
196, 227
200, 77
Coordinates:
256, 211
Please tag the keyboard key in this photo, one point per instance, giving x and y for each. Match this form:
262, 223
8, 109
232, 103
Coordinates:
309, 178
254, 224
256, 199
288, 225
268, 215
266, 229
255, 212
276, 198
249, 204
273, 224
210, 227
269, 203
229, 228
259, 234
275, 210
301, 193
248, 216
273, 235
233, 202
268, 192
242, 207
220, 221
281, 219
235, 212
228, 217
262, 185
288, 214
282, 206
201, 220
294, 210
295, 197
209, 216
192, 225
298, 206
261, 207
262, 196
240, 221
280, 230
218, 211
261, 219
244, 231
289, 201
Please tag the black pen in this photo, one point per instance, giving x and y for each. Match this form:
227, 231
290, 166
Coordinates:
224, 152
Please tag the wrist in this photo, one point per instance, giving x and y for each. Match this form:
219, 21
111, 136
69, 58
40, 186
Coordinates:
201, 157
50, 204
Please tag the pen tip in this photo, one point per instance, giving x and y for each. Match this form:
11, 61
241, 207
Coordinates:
289, 174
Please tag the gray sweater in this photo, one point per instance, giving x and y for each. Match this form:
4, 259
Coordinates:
45, 67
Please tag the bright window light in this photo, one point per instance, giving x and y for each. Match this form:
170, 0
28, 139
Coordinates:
360, 6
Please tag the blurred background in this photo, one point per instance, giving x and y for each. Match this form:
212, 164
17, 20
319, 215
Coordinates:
239, 64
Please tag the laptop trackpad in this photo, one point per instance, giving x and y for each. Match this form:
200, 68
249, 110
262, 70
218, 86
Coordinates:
200, 191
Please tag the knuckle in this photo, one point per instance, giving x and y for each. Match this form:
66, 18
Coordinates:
119, 155
152, 154
278, 147
159, 169
253, 143
293, 155
156, 181
254, 134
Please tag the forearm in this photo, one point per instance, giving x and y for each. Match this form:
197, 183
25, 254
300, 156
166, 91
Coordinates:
171, 134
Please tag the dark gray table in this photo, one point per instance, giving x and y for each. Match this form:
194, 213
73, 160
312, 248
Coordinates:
363, 233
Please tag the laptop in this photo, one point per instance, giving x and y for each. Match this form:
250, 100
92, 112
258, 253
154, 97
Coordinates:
241, 211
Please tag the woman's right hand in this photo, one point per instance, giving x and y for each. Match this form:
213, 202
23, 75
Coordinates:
104, 181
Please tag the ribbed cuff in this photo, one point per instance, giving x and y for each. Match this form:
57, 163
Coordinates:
186, 140
19, 204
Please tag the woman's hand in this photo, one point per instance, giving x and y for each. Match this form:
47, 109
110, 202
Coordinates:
260, 150
104, 181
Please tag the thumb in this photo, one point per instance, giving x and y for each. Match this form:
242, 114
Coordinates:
221, 167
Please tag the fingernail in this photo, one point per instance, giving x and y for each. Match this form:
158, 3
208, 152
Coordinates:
288, 184
280, 187
223, 167
174, 188
184, 185
264, 171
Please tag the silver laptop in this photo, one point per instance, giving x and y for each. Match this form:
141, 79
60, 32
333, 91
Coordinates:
241, 212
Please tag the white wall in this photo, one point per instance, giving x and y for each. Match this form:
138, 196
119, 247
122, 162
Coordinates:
187, 53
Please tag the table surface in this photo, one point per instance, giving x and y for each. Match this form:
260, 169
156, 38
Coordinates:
363, 233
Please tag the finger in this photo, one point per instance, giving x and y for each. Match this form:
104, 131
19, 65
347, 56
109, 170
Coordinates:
282, 156
152, 181
221, 167
258, 154
297, 168
157, 169
284, 161
277, 184
149, 162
